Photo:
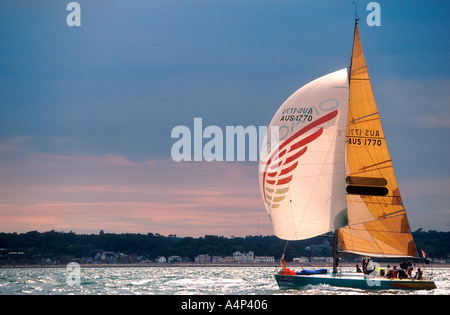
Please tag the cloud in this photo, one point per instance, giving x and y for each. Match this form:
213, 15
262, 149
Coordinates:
108, 159
97, 189
12, 144
415, 102
111, 192
427, 202
421, 187
436, 120
183, 217
87, 193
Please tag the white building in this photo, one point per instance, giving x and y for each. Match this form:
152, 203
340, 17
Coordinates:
264, 259
244, 257
300, 260
161, 259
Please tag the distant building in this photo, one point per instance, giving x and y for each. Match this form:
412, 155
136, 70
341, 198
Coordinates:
106, 257
228, 259
244, 257
173, 259
328, 260
217, 259
202, 259
124, 258
86, 260
46, 261
300, 260
264, 259
161, 259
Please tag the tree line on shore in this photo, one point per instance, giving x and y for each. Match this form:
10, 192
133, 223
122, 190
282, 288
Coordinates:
55, 245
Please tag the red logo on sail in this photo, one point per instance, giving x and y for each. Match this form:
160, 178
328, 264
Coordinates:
278, 169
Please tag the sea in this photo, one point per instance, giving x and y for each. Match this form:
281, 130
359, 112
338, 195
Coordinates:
232, 281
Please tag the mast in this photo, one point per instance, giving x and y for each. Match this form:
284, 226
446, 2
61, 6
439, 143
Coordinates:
335, 242
353, 47
335, 253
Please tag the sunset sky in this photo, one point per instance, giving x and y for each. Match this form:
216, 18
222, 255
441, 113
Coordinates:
86, 113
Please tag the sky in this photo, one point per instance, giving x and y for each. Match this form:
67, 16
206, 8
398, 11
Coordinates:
86, 113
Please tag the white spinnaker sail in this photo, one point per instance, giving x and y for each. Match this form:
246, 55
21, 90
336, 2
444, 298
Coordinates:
301, 169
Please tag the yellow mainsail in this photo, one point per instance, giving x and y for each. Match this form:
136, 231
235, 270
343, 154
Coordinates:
377, 222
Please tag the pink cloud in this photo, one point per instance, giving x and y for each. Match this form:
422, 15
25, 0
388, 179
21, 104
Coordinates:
108, 159
113, 193
89, 193
12, 144
187, 218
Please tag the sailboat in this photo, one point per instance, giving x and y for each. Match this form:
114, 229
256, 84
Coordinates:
325, 167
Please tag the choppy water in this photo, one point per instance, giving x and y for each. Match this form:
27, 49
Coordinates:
175, 281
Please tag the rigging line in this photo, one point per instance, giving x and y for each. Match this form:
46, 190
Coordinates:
356, 12
284, 250
372, 243
377, 219
378, 169
364, 116
351, 123
364, 171
375, 164
330, 148
340, 87
391, 214
362, 69
381, 198
292, 250
376, 230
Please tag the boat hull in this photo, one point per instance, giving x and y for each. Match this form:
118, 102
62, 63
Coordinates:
357, 281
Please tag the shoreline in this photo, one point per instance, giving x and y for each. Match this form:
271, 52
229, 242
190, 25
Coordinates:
204, 265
